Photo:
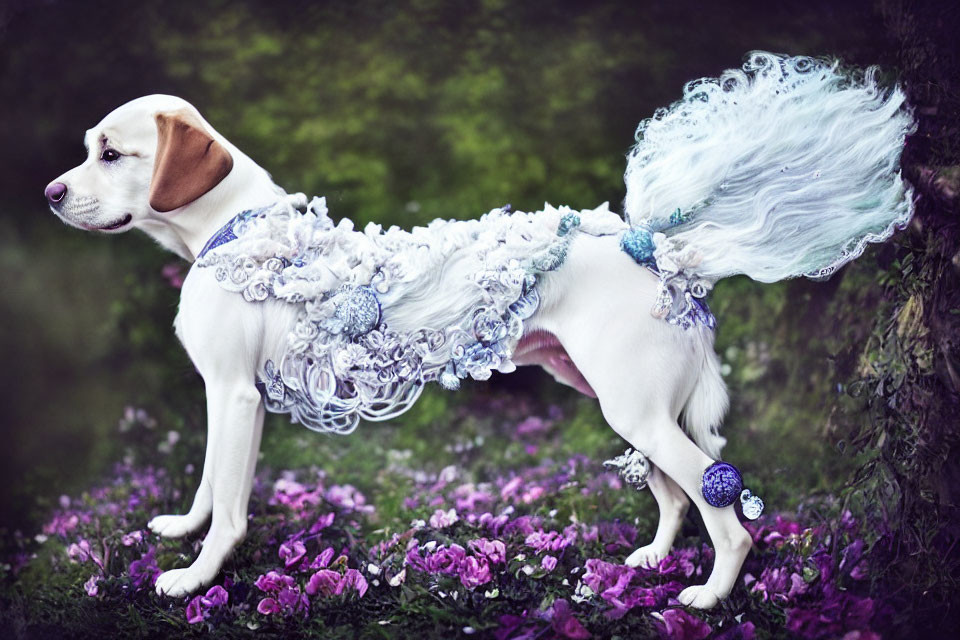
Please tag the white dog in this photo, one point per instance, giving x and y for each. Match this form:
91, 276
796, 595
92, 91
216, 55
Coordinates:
565, 290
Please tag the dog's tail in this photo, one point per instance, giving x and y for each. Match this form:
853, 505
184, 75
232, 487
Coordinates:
786, 168
707, 403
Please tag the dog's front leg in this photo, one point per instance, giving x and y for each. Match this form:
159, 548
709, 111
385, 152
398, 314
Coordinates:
235, 426
177, 526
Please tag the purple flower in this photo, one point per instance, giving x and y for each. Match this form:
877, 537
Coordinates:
837, 613
446, 560
292, 552
194, 611
272, 582
145, 570
743, 631
216, 596
322, 523
199, 607
292, 601
81, 552
565, 623
548, 541
267, 606
549, 563
323, 559
493, 550
680, 625
324, 582
353, 579
474, 572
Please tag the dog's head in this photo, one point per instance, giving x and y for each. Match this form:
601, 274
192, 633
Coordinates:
150, 156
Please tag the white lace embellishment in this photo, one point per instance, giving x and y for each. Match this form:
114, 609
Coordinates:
382, 312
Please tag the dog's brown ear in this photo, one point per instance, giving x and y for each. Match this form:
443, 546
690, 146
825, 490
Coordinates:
189, 162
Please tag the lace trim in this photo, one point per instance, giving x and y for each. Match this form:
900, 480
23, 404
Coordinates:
368, 335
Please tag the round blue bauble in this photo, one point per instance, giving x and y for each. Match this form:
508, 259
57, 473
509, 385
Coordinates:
721, 484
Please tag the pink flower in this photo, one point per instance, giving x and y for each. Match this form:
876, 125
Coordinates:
173, 273
442, 519
92, 586
130, 539
549, 541
549, 563
81, 552
511, 487
532, 494
533, 424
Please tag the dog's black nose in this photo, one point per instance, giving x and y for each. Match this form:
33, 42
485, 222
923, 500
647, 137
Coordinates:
55, 192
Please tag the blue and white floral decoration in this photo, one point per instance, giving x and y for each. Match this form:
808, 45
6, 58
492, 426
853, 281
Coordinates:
359, 348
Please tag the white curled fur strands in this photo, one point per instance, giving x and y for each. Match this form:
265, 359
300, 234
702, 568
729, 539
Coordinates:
787, 167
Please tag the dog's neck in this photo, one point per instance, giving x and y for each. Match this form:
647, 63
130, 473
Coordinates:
186, 231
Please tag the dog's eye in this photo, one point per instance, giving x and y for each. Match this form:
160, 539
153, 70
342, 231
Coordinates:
109, 155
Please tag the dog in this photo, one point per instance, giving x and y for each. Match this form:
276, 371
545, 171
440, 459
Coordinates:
155, 164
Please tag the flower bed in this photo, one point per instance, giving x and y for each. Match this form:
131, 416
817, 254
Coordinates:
519, 556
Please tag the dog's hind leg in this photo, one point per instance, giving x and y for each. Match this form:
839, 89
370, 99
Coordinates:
643, 372
673, 504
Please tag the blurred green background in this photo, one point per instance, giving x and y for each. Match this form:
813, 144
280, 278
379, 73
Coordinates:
398, 113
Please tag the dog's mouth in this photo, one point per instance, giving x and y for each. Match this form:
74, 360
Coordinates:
125, 220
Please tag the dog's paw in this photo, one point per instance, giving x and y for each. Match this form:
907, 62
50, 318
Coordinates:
647, 557
698, 597
177, 583
174, 526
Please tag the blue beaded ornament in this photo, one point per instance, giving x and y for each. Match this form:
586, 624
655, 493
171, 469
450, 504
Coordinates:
722, 484
638, 244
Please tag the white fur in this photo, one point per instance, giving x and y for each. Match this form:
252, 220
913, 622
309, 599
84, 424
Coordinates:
644, 371
789, 168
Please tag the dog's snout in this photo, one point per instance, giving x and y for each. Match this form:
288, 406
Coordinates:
55, 192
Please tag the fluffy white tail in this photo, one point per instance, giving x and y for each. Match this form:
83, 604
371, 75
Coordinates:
786, 168
708, 402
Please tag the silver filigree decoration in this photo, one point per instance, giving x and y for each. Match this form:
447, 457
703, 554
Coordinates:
346, 358
633, 467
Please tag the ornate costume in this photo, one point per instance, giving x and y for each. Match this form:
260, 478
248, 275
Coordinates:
786, 168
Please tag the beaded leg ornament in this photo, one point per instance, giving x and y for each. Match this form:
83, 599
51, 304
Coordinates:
722, 483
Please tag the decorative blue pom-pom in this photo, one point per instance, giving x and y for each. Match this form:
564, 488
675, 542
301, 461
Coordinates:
638, 244
721, 484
